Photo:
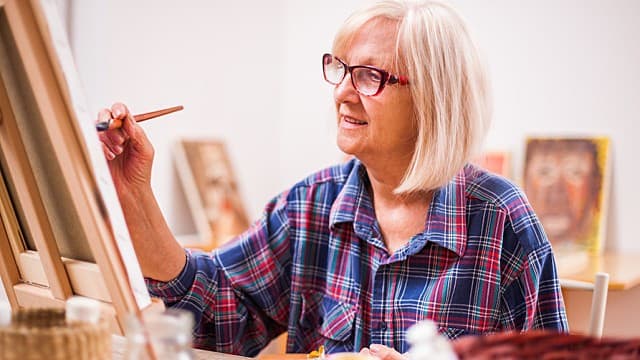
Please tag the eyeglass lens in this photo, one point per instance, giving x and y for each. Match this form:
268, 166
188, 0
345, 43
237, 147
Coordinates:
334, 70
365, 80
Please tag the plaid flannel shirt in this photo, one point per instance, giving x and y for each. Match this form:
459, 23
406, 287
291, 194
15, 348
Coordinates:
315, 265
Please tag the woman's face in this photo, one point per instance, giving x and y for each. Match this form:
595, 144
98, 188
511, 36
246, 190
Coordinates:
375, 128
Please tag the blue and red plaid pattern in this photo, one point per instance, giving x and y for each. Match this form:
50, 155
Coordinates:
315, 265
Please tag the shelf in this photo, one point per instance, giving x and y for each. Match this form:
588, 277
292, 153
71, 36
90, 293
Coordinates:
580, 272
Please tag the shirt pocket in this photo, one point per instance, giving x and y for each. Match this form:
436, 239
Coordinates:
331, 320
338, 319
453, 332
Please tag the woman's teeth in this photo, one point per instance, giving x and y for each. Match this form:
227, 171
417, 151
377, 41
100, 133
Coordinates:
354, 121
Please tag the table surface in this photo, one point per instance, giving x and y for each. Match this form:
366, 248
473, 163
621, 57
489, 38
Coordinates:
119, 345
623, 270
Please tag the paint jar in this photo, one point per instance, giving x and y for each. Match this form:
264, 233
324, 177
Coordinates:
160, 336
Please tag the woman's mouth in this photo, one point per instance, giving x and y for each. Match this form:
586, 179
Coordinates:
350, 122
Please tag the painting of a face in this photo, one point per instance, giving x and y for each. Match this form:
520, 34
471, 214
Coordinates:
563, 180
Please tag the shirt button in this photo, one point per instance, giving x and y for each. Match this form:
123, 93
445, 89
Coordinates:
382, 325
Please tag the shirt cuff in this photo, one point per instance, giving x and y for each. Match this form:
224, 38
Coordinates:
174, 290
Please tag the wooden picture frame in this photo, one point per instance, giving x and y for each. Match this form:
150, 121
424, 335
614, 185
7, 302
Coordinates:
211, 189
567, 182
60, 235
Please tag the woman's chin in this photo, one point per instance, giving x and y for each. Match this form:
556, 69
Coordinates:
353, 153
348, 146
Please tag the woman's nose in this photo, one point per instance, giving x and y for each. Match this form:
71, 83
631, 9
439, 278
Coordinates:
345, 92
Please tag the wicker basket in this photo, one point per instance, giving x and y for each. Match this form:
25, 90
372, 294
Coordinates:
545, 345
44, 334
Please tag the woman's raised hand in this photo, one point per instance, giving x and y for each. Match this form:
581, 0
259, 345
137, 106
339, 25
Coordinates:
130, 156
127, 149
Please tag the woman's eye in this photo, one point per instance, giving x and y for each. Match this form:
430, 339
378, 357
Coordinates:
374, 75
367, 77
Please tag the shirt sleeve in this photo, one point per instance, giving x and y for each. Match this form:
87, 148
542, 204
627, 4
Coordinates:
531, 297
239, 294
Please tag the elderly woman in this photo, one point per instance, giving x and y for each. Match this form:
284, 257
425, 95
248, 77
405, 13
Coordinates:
355, 254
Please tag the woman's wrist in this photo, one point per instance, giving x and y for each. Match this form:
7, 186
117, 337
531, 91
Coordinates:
159, 254
136, 195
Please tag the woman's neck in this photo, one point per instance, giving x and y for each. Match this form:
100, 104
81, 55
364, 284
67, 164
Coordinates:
384, 180
399, 216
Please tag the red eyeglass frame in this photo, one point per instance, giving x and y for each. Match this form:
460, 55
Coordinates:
387, 78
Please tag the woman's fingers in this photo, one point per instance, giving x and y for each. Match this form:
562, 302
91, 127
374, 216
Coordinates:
385, 353
129, 128
138, 141
112, 140
104, 115
365, 351
107, 152
120, 111
115, 140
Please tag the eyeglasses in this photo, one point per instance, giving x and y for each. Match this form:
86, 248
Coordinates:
367, 80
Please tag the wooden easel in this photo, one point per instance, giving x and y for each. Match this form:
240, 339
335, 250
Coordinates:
40, 137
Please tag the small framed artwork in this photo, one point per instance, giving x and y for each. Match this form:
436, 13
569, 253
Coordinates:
497, 162
211, 190
567, 183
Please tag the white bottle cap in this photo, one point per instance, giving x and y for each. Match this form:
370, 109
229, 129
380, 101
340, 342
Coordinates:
82, 309
424, 330
427, 343
5, 314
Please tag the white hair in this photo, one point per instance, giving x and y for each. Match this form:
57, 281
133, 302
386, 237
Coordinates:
448, 86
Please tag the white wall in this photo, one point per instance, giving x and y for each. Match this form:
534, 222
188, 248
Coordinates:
3, 294
558, 67
218, 59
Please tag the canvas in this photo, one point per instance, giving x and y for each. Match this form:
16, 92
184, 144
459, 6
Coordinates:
566, 181
62, 229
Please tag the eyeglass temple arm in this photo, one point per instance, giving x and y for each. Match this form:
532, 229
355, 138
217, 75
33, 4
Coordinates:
402, 80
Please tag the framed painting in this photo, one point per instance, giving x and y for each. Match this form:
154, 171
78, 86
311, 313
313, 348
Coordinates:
211, 190
567, 183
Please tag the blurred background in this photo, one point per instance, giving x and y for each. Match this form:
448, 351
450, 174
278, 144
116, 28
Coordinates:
248, 72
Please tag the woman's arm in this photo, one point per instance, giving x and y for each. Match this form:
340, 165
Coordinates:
160, 256
239, 296
531, 295
130, 156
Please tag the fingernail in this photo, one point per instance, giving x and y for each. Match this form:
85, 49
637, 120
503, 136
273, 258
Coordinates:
110, 155
117, 149
374, 348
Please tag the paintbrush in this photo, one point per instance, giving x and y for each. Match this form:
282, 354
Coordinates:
116, 123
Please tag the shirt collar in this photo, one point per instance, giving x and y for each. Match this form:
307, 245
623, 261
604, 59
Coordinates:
353, 203
445, 223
